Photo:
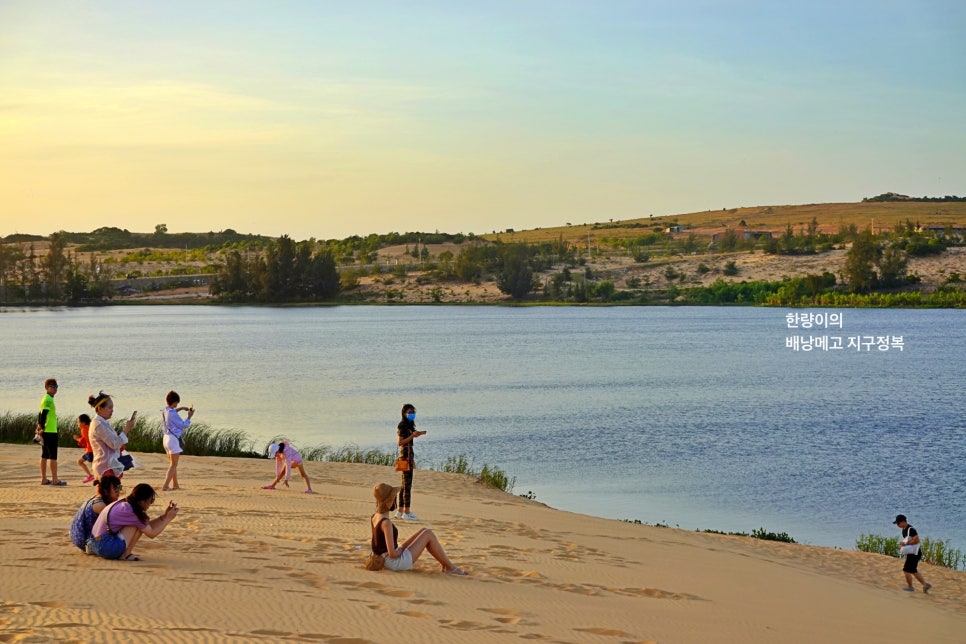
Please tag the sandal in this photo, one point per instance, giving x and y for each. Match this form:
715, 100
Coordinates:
131, 557
45, 482
269, 487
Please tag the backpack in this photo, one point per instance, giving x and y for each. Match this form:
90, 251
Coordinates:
82, 525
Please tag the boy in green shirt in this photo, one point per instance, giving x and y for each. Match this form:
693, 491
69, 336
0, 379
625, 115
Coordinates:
47, 431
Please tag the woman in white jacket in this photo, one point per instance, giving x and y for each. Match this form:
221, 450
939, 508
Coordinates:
106, 442
174, 426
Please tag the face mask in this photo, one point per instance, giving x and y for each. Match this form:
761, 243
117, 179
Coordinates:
410, 416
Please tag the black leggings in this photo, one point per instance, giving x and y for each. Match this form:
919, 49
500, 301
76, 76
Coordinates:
406, 493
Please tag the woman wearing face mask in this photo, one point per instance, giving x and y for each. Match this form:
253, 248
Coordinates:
407, 432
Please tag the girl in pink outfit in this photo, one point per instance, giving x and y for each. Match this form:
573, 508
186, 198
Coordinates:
286, 457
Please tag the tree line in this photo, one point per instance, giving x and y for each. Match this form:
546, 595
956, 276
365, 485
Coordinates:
255, 269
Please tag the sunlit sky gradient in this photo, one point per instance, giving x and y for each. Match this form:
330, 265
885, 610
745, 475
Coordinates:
327, 118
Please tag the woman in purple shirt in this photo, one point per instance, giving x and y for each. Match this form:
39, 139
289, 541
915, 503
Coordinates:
121, 524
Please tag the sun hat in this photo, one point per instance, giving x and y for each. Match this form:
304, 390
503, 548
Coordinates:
385, 495
272, 450
374, 562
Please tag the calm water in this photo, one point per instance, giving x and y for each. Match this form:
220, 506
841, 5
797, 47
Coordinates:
697, 417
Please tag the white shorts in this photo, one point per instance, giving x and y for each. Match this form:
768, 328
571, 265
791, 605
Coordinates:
171, 444
400, 563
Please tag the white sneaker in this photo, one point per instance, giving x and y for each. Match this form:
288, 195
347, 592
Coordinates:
410, 516
398, 515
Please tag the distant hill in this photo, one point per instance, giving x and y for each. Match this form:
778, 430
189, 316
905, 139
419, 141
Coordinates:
894, 196
881, 213
877, 215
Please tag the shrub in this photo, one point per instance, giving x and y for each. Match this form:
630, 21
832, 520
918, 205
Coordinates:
492, 476
349, 454
933, 551
18, 428
761, 533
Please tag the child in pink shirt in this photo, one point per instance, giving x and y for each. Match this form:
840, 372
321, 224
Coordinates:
286, 457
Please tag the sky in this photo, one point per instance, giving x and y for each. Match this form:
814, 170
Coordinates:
324, 119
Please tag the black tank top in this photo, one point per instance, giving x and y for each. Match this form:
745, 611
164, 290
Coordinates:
378, 542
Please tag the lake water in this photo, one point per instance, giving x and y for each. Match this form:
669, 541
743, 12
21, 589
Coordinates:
694, 417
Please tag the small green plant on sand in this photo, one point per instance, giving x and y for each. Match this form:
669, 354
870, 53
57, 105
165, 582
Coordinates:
492, 476
933, 551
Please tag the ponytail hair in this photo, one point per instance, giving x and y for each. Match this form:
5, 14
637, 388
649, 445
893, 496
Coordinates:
99, 399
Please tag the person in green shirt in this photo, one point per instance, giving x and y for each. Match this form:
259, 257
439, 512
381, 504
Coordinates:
47, 431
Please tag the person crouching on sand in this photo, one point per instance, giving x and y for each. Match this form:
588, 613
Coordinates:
120, 525
385, 537
286, 457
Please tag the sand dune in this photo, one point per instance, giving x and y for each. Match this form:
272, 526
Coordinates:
244, 564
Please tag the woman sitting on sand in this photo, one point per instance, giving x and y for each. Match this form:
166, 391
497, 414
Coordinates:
121, 524
108, 491
385, 536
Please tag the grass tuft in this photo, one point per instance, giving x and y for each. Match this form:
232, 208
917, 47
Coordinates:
934, 551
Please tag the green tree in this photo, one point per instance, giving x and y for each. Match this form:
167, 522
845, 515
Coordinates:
279, 280
75, 286
859, 268
469, 264
605, 290
232, 281
728, 240
10, 256
320, 277
892, 264
54, 266
515, 277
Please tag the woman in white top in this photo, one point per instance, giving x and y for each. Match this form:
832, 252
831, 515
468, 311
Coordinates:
106, 442
174, 426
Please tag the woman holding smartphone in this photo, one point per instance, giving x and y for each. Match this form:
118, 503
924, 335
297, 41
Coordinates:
120, 525
174, 427
407, 433
106, 442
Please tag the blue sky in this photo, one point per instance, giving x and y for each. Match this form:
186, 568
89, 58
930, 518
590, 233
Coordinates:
328, 119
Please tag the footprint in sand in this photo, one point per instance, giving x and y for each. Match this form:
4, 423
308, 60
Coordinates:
610, 632
382, 589
465, 625
309, 579
415, 613
509, 616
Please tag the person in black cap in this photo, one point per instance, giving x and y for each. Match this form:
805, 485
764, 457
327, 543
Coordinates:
910, 539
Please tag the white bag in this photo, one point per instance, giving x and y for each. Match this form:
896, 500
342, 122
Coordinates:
909, 549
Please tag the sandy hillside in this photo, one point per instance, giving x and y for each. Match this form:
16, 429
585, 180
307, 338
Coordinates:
243, 564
